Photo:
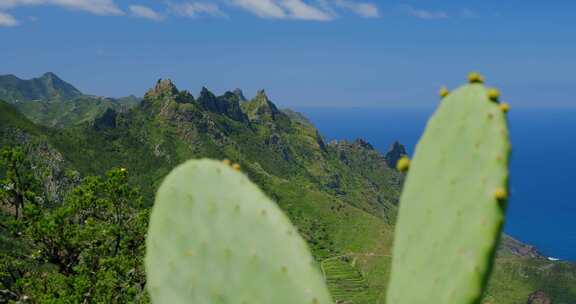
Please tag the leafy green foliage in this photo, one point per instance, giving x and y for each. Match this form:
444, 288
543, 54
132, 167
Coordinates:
18, 186
89, 249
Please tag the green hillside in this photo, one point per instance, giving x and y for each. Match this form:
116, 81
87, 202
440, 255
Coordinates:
342, 196
50, 101
46, 87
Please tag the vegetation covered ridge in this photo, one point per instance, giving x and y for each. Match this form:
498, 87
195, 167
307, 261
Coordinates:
342, 197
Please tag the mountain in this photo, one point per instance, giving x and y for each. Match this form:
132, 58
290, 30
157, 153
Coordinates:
52, 102
47, 87
343, 196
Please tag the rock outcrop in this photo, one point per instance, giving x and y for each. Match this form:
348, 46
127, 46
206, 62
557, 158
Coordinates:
239, 94
106, 120
509, 245
396, 151
539, 297
262, 109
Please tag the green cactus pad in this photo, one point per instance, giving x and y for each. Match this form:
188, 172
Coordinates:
214, 237
450, 219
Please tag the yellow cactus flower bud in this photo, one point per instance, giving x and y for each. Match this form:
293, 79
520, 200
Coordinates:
475, 77
403, 164
444, 92
501, 194
493, 94
504, 107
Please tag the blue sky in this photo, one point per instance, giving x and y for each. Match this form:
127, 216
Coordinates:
345, 53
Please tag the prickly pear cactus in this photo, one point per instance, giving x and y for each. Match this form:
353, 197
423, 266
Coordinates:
214, 237
453, 201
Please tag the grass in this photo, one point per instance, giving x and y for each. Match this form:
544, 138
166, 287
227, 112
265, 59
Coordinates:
344, 280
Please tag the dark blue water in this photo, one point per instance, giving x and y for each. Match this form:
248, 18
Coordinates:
542, 208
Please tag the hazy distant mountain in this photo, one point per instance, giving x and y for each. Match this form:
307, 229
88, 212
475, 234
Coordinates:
47, 87
50, 101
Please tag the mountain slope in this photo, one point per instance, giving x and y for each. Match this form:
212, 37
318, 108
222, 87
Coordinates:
46, 87
11, 118
341, 195
336, 207
50, 101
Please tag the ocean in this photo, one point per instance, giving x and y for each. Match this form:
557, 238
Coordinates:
542, 206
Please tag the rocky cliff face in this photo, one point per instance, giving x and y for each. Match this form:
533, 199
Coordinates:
106, 120
262, 109
395, 152
239, 94
539, 297
49, 164
511, 246
227, 104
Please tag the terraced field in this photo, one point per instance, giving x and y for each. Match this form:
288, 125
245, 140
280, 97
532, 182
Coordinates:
346, 283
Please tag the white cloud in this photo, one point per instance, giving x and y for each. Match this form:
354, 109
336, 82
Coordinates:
193, 9
98, 7
315, 10
363, 9
425, 14
7, 20
300, 10
285, 9
145, 12
262, 8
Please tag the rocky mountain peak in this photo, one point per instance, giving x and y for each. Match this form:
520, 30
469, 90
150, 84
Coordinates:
50, 76
206, 94
264, 105
163, 88
184, 97
48, 87
208, 100
239, 94
227, 104
261, 94
166, 86
364, 144
230, 96
396, 151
